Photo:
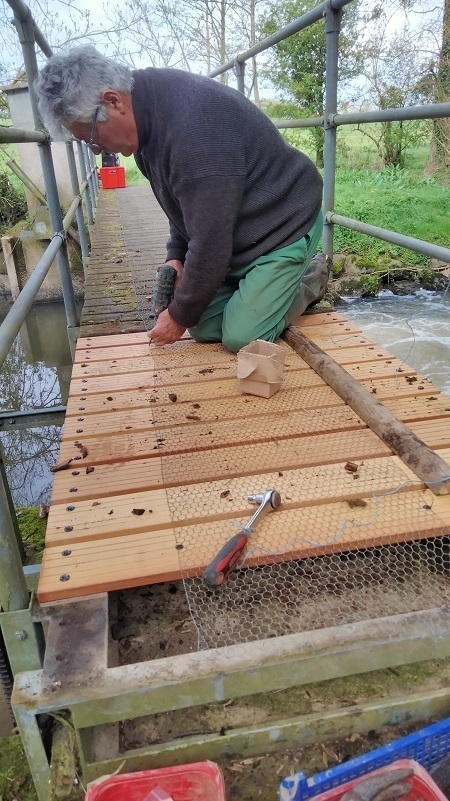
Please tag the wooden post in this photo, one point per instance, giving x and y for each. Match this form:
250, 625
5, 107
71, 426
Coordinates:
424, 462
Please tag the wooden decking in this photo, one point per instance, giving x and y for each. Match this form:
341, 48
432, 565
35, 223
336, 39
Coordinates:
168, 450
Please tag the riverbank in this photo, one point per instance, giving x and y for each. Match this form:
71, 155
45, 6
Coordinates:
359, 277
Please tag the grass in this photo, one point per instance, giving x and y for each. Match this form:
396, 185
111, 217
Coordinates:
400, 199
15, 778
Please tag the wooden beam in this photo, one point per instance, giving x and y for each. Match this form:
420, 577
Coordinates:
426, 464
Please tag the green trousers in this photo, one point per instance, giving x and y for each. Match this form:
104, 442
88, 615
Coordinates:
252, 301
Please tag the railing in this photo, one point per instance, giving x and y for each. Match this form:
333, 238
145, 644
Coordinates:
331, 11
21, 635
13, 587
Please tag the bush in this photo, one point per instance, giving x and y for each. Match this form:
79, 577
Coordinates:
12, 204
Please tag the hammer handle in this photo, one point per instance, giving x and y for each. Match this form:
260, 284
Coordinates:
225, 560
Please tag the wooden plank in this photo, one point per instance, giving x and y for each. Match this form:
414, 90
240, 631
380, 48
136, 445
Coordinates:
322, 319
332, 341
146, 393
213, 500
69, 485
401, 386
113, 563
384, 388
110, 422
132, 444
132, 349
206, 355
388, 368
218, 464
169, 377
149, 362
420, 408
184, 413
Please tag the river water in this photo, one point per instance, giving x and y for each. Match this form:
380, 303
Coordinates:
37, 372
415, 328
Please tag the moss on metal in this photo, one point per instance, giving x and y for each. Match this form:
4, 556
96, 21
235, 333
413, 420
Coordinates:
32, 529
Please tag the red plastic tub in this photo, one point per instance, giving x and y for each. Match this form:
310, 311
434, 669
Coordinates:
113, 177
201, 781
423, 787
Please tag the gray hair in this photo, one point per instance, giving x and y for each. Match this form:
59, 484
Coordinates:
69, 87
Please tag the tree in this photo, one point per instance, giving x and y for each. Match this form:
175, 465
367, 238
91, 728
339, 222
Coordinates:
393, 69
440, 75
297, 65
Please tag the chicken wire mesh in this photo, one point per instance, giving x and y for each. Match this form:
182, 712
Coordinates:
372, 548
370, 576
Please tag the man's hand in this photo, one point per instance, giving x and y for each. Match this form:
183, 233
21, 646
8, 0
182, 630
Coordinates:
166, 330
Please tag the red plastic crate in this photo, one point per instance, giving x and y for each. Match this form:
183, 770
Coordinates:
423, 786
201, 781
113, 177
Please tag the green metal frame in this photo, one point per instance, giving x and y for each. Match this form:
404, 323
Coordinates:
104, 696
101, 696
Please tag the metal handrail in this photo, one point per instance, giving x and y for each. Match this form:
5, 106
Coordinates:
426, 112
23, 14
9, 134
13, 589
331, 10
297, 25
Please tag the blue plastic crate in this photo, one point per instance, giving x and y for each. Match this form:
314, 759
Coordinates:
426, 746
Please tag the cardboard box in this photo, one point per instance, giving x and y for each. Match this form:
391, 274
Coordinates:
260, 368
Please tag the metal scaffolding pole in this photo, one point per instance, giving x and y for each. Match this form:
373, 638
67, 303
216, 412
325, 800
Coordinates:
86, 195
13, 587
23, 14
95, 174
332, 28
297, 25
19, 135
13, 321
25, 29
240, 75
86, 158
84, 244
410, 242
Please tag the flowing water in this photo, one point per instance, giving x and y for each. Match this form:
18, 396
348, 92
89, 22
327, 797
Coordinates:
415, 328
37, 371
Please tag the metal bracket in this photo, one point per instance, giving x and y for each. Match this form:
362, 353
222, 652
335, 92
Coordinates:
333, 18
23, 638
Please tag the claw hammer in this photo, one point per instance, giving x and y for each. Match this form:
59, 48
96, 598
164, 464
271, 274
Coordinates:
228, 556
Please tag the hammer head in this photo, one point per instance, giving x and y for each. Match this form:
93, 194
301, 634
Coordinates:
270, 498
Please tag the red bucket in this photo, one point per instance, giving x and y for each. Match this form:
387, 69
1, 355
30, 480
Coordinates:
201, 781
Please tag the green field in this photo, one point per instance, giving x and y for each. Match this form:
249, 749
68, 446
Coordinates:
400, 199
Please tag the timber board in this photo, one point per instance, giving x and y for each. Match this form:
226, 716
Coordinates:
134, 560
167, 430
174, 448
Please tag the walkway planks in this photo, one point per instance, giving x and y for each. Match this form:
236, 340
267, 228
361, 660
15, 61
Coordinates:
168, 448
174, 448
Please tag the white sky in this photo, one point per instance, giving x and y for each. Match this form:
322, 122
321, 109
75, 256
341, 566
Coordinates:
426, 15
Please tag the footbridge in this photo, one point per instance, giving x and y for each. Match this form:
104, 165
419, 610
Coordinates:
159, 452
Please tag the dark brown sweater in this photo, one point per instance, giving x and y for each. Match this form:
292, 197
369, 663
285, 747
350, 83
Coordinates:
231, 186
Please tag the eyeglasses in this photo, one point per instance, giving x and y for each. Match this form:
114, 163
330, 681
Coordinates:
95, 148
